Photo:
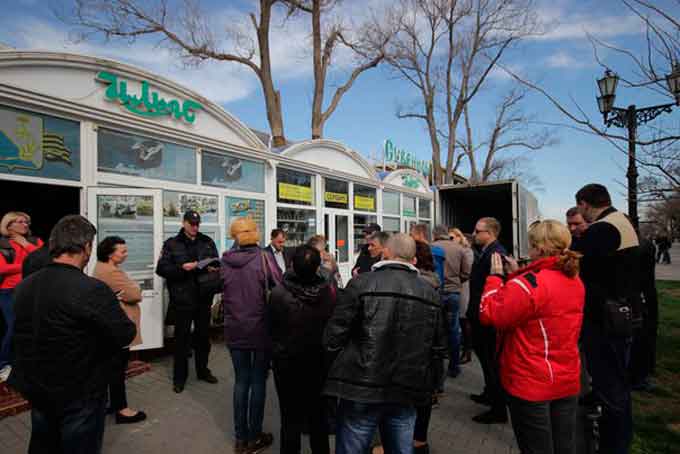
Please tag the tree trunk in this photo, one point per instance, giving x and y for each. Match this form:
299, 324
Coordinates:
272, 97
319, 72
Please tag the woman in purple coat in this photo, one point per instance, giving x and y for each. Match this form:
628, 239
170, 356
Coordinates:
247, 274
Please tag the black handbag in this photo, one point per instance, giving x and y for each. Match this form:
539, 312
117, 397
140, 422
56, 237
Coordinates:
211, 282
618, 318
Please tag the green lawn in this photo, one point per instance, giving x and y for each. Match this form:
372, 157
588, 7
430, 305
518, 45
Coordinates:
657, 414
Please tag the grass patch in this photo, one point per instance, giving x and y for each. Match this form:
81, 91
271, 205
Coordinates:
657, 414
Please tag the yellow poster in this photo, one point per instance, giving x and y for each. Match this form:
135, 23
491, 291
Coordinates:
294, 192
364, 203
336, 197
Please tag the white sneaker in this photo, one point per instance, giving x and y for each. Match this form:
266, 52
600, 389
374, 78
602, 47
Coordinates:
4, 373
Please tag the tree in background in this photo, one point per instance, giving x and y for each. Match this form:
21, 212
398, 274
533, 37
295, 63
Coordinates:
447, 49
184, 27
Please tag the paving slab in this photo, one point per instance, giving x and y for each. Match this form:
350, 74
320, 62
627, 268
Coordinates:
200, 420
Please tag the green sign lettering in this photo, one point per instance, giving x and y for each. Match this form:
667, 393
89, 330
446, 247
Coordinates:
405, 158
148, 104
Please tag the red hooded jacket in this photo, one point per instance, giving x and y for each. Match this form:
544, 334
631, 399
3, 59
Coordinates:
538, 312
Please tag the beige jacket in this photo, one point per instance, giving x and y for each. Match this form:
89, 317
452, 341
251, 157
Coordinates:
457, 266
117, 280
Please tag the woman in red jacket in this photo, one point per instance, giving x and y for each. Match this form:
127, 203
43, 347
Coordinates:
538, 313
16, 243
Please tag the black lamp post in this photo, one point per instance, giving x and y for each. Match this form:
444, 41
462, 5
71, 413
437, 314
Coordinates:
630, 118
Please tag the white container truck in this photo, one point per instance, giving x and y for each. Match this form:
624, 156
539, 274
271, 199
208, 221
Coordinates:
462, 205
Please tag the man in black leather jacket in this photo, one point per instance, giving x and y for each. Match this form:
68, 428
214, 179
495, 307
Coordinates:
391, 336
178, 265
69, 329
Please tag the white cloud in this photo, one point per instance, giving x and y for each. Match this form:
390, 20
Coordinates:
560, 25
564, 60
220, 82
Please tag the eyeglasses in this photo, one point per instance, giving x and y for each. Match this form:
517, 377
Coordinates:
194, 224
481, 231
21, 222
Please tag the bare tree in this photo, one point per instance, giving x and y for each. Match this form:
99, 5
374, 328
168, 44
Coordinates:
512, 130
186, 29
367, 43
447, 49
657, 152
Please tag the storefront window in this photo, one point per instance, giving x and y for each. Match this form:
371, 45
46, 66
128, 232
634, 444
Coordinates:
299, 225
409, 206
230, 171
126, 154
361, 221
39, 145
391, 225
131, 218
391, 203
175, 204
336, 193
424, 208
238, 208
294, 187
364, 198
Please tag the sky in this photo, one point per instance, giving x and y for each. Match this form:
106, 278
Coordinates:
561, 60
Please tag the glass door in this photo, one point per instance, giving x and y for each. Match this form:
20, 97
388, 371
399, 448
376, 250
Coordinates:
136, 215
337, 232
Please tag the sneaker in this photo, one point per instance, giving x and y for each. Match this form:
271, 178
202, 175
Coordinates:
262, 442
4, 373
481, 399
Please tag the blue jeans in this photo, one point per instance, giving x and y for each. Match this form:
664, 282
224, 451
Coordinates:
250, 391
7, 308
75, 428
607, 358
357, 423
452, 303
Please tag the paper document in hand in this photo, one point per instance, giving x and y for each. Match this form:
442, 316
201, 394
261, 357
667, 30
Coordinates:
211, 261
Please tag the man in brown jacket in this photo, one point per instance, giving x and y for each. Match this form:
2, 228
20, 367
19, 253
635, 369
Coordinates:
457, 266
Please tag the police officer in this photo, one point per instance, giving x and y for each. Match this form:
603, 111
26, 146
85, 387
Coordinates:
179, 266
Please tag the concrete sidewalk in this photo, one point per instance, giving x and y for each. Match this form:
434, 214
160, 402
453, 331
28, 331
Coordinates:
200, 419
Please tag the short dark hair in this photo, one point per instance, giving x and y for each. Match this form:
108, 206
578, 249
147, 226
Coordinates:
277, 232
107, 246
381, 237
493, 225
594, 195
306, 262
573, 211
422, 229
71, 235
424, 259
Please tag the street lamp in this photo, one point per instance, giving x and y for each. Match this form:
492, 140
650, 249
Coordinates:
630, 119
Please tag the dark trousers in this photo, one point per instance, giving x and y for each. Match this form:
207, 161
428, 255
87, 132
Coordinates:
199, 340
484, 344
75, 428
251, 368
299, 383
7, 311
422, 422
544, 427
607, 359
117, 394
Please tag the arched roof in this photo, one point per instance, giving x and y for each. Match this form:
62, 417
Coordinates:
344, 159
49, 83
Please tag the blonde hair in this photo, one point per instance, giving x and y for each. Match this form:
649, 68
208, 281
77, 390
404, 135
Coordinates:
552, 238
244, 230
458, 237
10, 217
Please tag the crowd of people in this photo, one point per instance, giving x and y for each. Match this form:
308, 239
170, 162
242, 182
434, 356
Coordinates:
366, 361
